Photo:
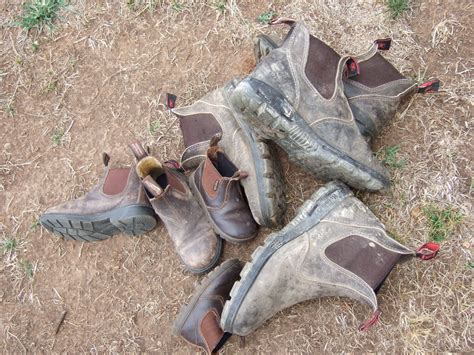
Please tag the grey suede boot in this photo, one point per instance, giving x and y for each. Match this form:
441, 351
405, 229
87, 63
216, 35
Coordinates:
375, 90
295, 97
214, 114
335, 246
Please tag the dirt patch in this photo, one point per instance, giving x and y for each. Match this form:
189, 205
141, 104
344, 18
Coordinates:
98, 82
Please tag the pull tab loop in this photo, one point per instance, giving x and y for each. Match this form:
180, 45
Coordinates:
429, 87
105, 159
138, 151
372, 321
352, 68
170, 100
383, 44
428, 251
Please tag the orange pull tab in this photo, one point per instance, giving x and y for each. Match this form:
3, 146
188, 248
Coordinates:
428, 251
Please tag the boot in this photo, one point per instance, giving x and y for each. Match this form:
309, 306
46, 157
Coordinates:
167, 190
199, 322
375, 91
116, 204
216, 184
334, 246
295, 97
214, 114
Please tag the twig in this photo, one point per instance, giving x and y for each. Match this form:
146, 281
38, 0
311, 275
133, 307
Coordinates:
61, 321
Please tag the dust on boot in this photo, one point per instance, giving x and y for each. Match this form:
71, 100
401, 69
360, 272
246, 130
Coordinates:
116, 204
194, 240
334, 246
199, 321
214, 114
374, 88
216, 184
295, 97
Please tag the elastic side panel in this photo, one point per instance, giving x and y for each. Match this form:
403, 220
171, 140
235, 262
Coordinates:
377, 71
116, 181
321, 67
198, 128
366, 259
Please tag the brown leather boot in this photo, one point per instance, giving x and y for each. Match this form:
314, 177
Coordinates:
216, 184
116, 204
166, 188
198, 322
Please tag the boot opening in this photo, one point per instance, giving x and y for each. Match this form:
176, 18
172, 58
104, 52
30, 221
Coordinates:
223, 165
149, 166
377, 71
368, 260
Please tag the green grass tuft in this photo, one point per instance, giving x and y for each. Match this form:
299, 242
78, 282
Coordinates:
177, 6
57, 137
40, 13
9, 244
388, 155
398, 7
442, 221
27, 268
154, 127
266, 17
220, 5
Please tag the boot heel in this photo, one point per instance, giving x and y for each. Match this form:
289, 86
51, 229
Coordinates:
134, 220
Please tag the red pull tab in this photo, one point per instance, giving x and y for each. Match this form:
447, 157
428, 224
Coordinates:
173, 164
170, 100
427, 251
368, 324
383, 44
352, 68
429, 86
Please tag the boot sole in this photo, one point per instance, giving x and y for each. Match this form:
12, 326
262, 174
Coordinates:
186, 310
315, 211
216, 228
269, 179
132, 220
274, 118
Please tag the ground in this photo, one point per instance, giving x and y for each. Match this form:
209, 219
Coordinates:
97, 81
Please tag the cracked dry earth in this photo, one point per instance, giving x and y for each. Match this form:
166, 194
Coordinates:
98, 81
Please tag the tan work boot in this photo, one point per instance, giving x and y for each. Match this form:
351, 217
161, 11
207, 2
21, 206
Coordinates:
334, 246
295, 97
195, 242
214, 114
116, 204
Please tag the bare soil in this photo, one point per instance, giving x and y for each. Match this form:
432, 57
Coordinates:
97, 82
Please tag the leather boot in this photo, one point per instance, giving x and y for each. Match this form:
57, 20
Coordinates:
334, 246
376, 89
295, 97
116, 204
199, 321
166, 188
216, 185
214, 114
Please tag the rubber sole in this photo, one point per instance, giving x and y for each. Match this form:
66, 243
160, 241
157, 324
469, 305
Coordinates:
186, 310
216, 228
132, 220
274, 118
311, 214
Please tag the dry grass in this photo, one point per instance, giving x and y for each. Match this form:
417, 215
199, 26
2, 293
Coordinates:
98, 81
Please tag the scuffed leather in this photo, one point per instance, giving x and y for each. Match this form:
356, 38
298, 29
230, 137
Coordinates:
301, 271
96, 201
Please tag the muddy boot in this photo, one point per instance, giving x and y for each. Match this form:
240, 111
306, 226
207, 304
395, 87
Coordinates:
216, 185
334, 246
375, 89
199, 321
214, 114
116, 204
295, 97
166, 188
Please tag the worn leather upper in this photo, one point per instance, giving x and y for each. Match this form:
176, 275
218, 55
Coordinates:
301, 269
331, 118
213, 114
201, 326
121, 189
224, 200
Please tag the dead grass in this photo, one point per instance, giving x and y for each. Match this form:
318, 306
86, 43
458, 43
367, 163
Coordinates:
97, 82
